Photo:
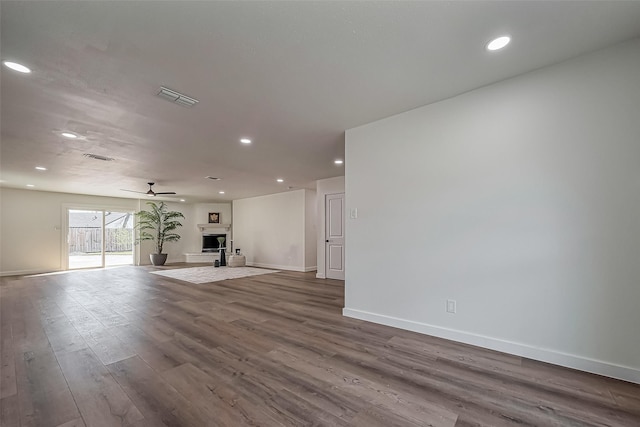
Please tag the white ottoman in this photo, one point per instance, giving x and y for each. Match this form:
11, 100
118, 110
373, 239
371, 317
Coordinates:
236, 261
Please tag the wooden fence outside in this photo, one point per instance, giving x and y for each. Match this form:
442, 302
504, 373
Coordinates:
88, 240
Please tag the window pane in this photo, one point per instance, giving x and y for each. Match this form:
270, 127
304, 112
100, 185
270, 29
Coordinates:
118, 238
85, 238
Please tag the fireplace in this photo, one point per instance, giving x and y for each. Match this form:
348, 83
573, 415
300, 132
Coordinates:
210, 242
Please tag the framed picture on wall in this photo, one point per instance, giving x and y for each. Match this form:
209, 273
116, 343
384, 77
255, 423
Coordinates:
214, 217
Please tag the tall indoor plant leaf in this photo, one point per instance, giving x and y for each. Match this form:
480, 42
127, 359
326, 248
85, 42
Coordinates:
158, 225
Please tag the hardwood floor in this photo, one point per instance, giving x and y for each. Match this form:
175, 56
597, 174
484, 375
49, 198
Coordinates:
122, 347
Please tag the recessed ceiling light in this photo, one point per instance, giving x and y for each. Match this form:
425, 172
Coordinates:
338, 161
69, 135
182, 200
245, 140
220, 192
280, 180
498, 43
41, 168
213, 178
30, 185
17, 67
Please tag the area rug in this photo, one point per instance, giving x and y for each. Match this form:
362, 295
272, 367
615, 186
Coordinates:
201, 275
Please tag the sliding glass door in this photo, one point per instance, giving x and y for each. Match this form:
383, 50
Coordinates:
85, 239
99, 238
118, 233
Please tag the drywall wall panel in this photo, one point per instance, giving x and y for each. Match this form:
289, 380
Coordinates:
520, 202
310, 232
269, 230
32, 227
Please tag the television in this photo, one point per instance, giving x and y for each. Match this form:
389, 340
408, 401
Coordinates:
210, 242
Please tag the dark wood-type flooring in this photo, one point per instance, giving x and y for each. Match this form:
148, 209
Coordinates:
122, 347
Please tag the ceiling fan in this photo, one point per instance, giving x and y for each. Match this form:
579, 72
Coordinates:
150, 193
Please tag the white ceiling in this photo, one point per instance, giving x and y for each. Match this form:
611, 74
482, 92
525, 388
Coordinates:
290, 75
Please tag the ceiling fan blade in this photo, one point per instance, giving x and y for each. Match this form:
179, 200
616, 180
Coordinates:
150, 191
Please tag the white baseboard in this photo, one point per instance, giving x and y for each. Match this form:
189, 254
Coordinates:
282, 267
27, 272
275, 266
320, 276
573, 361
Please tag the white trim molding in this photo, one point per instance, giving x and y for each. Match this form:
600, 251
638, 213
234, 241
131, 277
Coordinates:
573, 361
279, 267
203, 227
27, 272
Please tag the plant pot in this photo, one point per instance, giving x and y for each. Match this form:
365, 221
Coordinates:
158, 259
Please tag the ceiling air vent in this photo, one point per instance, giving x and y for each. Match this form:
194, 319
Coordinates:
99, 157
176, 97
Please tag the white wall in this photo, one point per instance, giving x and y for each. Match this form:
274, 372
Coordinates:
270, 230
310, 219
521, 201
32, 227
323, 187
200, 212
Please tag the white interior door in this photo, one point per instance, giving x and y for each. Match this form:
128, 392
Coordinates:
334, 236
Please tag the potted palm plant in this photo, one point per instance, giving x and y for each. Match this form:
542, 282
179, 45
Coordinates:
158, 225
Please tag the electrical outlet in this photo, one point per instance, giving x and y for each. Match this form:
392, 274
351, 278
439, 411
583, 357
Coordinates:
354, 213
451, 306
